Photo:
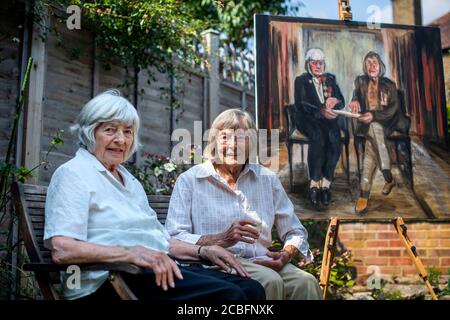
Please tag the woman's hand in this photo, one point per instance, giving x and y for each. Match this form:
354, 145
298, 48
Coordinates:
238, 231
366, 117
355, 106
328, 113
224, 259
163, 267
331, 102
279, 260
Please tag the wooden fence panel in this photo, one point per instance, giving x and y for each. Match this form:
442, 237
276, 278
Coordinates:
154, 111
68, 87
11, 16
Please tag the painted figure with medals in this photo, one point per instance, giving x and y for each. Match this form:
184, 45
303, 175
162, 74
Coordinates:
316, 96
376, 98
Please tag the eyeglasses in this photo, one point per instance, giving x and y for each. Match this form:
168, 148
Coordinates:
226, 138
317, 62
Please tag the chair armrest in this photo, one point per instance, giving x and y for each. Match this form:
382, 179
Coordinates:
51, 267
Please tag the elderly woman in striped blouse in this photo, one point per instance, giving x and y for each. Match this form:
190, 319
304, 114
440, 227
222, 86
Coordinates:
230, 202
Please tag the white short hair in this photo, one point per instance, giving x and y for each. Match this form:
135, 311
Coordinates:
229, 119
314, 54
105, 107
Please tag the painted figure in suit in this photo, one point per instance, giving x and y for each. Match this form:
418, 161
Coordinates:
316, 95
376, 97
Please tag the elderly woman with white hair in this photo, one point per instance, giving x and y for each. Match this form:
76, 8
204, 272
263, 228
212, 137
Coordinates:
230, 202
316, 96
97, 212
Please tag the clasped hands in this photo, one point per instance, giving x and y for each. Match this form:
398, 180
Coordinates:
245, 231
327, 112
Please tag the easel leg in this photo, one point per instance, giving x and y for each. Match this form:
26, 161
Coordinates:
401, 229
328, 254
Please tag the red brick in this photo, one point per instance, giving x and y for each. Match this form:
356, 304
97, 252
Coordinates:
430, 262
442, 226
445, 262
361, 270
376, 261
377, 243
395, 243
387, 235
427, 243
362, 253
389, 253
379, 227
440, 252
354, 244
360, 235
413, 235
400, 262
390, 271
410, 271
439, 235
351, 226
345, 235
444, 243
421, 226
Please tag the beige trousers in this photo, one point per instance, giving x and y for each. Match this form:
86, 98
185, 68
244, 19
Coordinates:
376, 155
290, 283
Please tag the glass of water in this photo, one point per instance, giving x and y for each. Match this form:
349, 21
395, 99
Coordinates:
258, 227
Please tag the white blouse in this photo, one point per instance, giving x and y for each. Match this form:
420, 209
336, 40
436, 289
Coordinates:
85, 202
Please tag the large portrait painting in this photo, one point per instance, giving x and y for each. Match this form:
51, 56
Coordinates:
361, 114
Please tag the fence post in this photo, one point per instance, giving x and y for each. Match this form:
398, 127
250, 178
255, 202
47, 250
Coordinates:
33, 108
210, 39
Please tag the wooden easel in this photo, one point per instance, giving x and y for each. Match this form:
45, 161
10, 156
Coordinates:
330, 248
344, 10
328, 254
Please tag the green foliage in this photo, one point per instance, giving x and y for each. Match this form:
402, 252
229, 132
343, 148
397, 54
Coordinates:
381, 294
433, 276
342, 273
394, 295
446, 290
317, 231
234, 19
159, 174
143, 33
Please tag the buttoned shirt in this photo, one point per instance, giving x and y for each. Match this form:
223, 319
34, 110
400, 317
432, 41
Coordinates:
85, 202
373, 95
319, 89
202, 203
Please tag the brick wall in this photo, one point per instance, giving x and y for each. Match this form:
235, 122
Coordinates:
407, 12
377, 244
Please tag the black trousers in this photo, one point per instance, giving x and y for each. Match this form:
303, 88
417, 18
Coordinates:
198, 284
324, 147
